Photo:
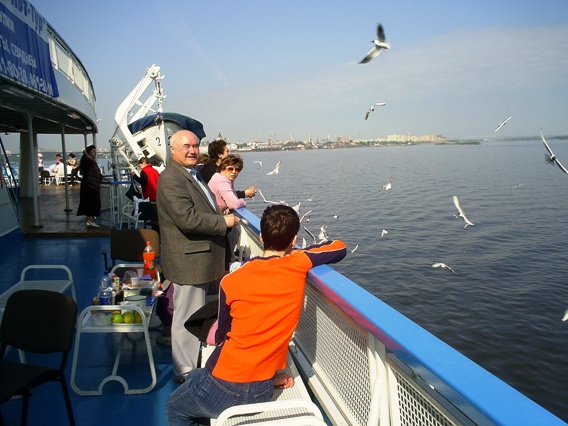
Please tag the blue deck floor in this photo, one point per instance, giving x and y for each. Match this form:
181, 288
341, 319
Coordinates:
83, 256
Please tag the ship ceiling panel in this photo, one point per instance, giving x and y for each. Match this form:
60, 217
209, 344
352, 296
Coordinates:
48, 113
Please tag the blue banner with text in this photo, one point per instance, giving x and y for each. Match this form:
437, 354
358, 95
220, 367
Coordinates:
24, 47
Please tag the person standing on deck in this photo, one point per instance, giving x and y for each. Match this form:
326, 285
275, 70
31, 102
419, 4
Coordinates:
148, 179
90, 192
192, 232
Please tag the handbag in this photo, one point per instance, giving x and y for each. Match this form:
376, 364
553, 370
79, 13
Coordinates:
132, 192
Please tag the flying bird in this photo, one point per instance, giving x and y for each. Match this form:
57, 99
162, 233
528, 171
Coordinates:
461, 213
323, 236
305, 214
355, 248
565, 317
442, 265
384, 232
297, 207
275, 171
551, 159
502, 123
270, 202
373, 108
379, 45
259, 163
388, 185
336, 216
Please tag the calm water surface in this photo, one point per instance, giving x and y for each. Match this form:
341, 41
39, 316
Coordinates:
504, 305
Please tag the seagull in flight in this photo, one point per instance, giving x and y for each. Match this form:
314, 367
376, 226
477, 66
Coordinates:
373, 108
502, 123
297, 207
355, 248
379, 45
270, 202
384, 232
551, 159
388, 185
259, 163
275, 171
565, 317
442, 265
336, 216
304, 215
461, 213
323, 236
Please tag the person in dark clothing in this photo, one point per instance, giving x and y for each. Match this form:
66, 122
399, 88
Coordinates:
90, 195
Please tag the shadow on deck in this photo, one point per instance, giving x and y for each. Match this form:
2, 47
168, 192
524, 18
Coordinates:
54, 218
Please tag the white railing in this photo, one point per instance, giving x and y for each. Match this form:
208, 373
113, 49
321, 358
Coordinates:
369, 365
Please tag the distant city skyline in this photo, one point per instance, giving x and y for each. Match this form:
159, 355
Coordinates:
291, 68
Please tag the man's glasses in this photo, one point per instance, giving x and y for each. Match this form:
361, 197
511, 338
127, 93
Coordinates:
232, 169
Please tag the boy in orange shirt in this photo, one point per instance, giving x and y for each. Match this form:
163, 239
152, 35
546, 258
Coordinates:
259, 309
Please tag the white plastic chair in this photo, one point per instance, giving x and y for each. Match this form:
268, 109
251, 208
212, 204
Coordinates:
311, 414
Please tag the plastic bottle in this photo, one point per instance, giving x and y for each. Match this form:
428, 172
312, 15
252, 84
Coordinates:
148, 255
105, 290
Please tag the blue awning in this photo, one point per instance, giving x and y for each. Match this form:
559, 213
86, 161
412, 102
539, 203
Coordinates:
185, 122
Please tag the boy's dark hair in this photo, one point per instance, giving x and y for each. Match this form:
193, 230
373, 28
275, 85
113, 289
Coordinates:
278, 227
216, 149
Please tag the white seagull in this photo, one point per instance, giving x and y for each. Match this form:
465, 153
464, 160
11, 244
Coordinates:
384, 232
259, 163
388, 185
355, 248
305, 214
297, 207
336, 216
551, 159
461, 213
275, 171
373, 108
502, 123
379, 45
442, 265
268, 201
323, 236
565, 317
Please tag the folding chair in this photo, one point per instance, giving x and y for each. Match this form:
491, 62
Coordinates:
42, 322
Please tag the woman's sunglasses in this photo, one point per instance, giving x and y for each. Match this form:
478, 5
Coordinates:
232, 169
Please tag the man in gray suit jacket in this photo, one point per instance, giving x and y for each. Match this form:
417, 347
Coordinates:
192, 233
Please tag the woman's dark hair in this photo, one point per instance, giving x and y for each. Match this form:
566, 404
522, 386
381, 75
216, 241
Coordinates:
231, 160
216, 149
72, 155
278, 227
86, 159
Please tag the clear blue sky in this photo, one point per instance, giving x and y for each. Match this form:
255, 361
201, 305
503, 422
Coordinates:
252, 69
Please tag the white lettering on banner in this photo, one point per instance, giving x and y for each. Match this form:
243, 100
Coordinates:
27, 10
7, 22
25, 57
4, 44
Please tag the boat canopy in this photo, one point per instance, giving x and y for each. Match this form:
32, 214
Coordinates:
185, 122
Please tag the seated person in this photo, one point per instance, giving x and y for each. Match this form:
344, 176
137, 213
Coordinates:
58, 171
259, 308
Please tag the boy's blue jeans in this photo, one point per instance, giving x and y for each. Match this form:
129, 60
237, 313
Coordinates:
203, 395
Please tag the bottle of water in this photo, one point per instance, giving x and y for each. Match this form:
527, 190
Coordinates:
105, 290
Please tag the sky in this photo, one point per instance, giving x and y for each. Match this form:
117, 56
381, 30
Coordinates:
258, 69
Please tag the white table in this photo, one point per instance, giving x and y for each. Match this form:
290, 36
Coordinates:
86, 324
57, 285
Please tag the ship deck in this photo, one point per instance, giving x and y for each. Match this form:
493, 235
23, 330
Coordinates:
66, 245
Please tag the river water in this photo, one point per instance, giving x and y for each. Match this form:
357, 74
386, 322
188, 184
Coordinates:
503, 307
